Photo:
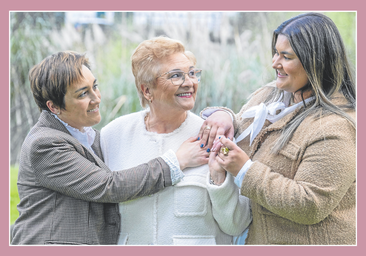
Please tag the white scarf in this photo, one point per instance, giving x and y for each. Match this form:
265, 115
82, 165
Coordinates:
263, 112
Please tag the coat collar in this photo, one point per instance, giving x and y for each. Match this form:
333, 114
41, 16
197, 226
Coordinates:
47, 120
276, 126
337, 99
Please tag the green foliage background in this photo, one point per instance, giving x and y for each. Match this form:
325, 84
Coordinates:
235, 56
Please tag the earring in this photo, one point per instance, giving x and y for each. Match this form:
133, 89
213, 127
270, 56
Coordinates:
150, 100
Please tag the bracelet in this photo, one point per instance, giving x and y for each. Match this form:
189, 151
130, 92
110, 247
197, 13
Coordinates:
213, 183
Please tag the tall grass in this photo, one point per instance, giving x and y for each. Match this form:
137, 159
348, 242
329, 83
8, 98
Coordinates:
14, 198
233, 51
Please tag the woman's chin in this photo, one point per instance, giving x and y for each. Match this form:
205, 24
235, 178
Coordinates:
190, 107
95, 121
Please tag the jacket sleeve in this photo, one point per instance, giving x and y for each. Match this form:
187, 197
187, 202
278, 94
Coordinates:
256, 98
260, 95
325, 172
58, 166
230, 210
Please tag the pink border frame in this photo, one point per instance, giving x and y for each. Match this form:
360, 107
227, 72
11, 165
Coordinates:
228, 5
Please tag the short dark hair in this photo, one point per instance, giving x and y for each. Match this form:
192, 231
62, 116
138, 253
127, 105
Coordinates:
50, 78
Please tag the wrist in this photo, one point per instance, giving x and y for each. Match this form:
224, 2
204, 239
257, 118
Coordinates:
218, 180
182, 163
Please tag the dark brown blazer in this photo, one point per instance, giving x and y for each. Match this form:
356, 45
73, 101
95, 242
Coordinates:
68, 195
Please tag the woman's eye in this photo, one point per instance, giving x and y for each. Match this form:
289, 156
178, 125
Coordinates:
82, 94
192, 73
175, 75
95, 86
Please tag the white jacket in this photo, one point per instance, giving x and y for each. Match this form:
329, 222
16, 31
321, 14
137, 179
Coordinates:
193, 212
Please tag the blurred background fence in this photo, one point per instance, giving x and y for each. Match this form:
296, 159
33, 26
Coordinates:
232, 48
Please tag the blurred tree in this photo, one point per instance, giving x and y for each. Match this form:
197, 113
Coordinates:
29, 44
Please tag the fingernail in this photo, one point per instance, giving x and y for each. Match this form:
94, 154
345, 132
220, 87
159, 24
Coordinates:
201, 145
219, 137
198, 138
208, 150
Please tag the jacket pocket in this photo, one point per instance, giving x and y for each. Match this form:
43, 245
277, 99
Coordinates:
57, 242
263, 210
123, 238
191, 196
194, 240
291, 151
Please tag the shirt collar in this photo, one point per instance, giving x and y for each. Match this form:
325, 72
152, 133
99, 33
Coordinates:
86, 138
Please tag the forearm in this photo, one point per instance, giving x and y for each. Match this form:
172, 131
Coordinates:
68, 172
230, 210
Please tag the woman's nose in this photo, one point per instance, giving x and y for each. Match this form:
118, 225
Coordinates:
96, 98
187, 80
275, 62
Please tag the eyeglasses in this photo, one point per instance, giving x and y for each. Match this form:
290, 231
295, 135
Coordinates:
178, 77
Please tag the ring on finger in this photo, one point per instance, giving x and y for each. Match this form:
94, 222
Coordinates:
208, 127
225, 151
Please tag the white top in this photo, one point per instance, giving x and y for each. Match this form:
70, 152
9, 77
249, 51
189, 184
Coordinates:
191, 212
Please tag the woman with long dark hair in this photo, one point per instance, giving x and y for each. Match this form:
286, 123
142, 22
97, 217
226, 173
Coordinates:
295, 150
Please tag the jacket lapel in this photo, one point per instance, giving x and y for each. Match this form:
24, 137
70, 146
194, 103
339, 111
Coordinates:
276, 126
47, 120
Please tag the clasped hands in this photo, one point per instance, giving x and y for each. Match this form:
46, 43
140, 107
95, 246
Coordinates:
216, 134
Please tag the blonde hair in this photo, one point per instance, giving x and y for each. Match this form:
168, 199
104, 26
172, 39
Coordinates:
146, 61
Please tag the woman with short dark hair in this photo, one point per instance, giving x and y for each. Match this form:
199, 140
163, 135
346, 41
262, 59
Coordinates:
67, 194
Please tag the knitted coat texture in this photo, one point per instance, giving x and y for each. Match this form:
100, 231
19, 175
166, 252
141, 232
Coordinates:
306, 194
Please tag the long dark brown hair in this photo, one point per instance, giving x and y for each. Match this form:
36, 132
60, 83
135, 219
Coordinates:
317, 43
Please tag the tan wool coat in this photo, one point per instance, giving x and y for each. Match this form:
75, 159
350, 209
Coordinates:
306, 194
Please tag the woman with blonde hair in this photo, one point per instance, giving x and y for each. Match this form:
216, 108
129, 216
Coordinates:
295, 156
196, 211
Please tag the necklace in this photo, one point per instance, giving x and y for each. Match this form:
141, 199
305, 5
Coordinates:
147, 122
147, 118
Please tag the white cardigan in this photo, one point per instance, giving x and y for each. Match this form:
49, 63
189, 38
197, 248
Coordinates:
193, 212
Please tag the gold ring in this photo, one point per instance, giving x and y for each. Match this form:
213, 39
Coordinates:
208, 127
225, 151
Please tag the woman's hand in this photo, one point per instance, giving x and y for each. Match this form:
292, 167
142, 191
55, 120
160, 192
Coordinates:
190, 154
235, 158
218, 174
219, 123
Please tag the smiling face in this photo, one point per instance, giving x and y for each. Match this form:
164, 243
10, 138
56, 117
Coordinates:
167, 96
291, 75
82, 102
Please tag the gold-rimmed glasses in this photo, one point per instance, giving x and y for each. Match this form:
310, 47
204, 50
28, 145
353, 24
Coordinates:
178, 77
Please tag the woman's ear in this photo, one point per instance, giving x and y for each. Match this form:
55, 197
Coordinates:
147, 93
145, 90
52, 107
